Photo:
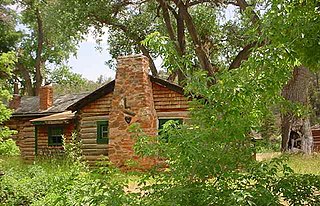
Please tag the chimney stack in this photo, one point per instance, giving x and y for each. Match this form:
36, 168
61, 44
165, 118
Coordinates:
15, 102
132, 102
46, 97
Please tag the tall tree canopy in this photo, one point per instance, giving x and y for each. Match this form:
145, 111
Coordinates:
193, 28
32, 32
195, 36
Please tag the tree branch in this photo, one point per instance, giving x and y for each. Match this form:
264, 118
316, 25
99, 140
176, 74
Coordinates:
167, 19
246, 51
242, 56
134, 37
201, 55
243, 6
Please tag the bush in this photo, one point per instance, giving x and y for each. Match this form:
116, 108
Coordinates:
60, 181
9, 148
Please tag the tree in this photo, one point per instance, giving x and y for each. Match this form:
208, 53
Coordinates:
8, 35
39, 44
193, 35
295, 24
183, 23
7, 61
66, 82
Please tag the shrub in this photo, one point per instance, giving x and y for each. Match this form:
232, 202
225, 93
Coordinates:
9, 148
61, 180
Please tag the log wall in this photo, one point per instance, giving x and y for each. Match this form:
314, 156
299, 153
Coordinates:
44, 148
316, 140
88, 116
167, 103
166, 100
25, 136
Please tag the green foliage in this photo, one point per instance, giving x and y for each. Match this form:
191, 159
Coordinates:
7, 61
8, 35
56, 181
9, 148
67, 82
210, 159
165, 48
295, 24
72, 149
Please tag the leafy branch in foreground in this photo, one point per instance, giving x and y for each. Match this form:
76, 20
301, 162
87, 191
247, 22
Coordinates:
209, 159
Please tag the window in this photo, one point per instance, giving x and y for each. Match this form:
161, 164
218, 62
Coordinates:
102, 132
161, 122
55, 136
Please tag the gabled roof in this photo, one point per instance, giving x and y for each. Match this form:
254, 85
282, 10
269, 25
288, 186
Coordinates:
30, 106
96, 94
109, 87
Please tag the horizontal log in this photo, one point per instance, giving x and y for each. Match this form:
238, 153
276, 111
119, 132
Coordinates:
28, 145
89, 141
94, 152
93, 116
171, 104
171, 107
94, 146
28, 150
89, 136
173, 114
166, 94
88, 130
85, 127
95, 157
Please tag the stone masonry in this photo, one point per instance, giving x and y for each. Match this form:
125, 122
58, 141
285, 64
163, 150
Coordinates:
132, 103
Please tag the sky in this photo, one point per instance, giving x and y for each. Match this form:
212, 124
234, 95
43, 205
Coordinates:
89, 61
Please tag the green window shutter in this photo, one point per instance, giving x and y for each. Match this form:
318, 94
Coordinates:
102, 132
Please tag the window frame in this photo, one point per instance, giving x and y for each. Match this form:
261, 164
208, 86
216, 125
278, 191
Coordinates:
168, 118
50, 135
100, 138
166, 139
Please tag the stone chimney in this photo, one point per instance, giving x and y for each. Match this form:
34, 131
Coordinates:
132, 102
46, 97
15, 102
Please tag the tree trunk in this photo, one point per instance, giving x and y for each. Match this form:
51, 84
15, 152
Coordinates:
38, 64
203, 58
285, 132
296, 91
307, 138
146, 53
28, 87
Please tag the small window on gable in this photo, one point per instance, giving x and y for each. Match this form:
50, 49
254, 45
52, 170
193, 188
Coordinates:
102, 132
161, 122
55, 136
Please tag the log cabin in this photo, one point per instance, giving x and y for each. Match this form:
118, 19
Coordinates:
100, 118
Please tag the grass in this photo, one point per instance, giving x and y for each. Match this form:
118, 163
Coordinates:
300, 163
305, 164
50, 180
